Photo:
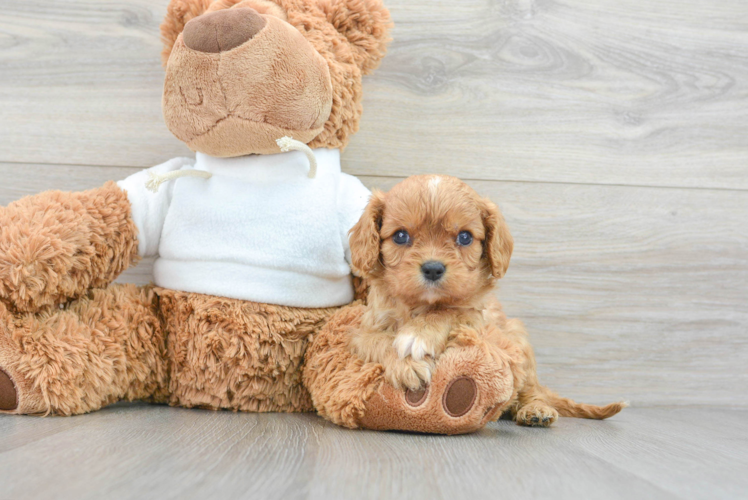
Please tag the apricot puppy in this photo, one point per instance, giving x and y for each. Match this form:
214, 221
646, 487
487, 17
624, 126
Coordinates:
432, 251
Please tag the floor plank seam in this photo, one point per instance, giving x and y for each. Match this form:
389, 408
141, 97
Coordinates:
466, 179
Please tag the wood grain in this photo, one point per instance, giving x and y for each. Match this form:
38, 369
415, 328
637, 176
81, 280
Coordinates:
615, 92
81, 81
136, 451
629, 292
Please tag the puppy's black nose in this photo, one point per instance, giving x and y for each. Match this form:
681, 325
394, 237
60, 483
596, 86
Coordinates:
433, 270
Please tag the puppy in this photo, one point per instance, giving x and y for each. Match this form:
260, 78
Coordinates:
432, 251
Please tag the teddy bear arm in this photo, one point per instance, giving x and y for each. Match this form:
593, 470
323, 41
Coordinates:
55, 246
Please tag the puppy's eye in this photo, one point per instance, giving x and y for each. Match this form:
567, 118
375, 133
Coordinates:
401, 237
464, 238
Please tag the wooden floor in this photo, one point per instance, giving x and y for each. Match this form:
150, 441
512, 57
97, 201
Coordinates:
135, 451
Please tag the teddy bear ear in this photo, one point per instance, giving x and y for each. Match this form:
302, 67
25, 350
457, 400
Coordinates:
178, 13
366, 24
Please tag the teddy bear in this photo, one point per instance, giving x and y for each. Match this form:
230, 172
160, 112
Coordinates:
251, 238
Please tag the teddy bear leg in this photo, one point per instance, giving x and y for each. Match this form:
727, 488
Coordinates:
469, 386
468, 389
236, 354
104, 347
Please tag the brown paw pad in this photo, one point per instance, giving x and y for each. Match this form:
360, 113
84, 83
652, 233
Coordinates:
417, 397
460, 396
8, 396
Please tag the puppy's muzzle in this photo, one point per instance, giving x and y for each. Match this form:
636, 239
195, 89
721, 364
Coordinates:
433, 270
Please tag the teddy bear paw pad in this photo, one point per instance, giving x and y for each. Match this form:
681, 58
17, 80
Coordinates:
416, 398
460, 396
8, 396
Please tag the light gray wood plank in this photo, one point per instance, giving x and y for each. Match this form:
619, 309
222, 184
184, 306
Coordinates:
81, 83
616, 92
649, 442
628, 292
131, 451
23, 179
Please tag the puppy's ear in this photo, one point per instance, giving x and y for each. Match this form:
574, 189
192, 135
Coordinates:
364, 237
178, 13
499, 243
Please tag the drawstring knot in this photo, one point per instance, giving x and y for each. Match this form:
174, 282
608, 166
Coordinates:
287, 144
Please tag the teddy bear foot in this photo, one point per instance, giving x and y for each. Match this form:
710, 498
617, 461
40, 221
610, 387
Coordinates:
18, 396
458, 399
8, 395
460, 396
17, 393
439, 409
466, 393
469, 387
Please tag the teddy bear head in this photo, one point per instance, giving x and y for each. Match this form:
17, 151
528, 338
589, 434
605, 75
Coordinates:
241, 74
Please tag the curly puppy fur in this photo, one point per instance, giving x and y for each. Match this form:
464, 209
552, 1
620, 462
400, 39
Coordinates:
412, 320
350, 35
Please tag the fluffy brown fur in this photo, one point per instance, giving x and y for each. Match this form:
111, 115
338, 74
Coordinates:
55, 246
411, 320
235, 354
406, 311
106, 346
185, 349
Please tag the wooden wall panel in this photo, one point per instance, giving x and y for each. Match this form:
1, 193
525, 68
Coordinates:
627, 92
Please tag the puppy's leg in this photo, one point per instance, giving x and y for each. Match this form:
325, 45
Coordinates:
408, 373
531, 408
409, 343
538, 406
422, 336
401, 373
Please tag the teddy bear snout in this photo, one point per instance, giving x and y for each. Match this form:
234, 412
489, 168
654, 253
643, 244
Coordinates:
222, 30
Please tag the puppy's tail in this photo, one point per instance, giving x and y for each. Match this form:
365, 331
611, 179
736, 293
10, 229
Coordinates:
570, 408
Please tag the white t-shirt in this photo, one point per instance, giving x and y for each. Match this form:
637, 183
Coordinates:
259, 229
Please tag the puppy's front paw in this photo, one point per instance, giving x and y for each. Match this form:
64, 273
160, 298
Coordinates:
408, 373
409, 344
